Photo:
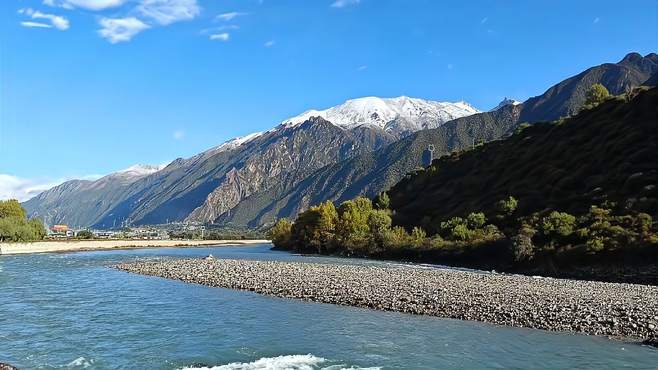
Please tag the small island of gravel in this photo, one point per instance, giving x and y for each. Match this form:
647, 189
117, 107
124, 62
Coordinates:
622, 311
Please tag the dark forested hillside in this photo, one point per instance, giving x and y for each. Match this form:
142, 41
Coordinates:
607, 153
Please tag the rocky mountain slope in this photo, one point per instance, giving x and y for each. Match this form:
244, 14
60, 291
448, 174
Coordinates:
372, 172
204, 187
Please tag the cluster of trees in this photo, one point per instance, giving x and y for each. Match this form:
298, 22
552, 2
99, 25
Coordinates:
14, 225
362, 227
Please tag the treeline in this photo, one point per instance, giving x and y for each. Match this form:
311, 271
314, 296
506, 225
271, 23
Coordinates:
15, 226
362, 227
219, 234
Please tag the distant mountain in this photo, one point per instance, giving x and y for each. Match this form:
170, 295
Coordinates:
566, 98
76, 202
373, 172
204, 187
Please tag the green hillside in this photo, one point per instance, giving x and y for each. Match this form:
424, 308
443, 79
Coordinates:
573, 197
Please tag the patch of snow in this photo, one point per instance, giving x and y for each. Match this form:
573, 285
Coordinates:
392, 114
506, 101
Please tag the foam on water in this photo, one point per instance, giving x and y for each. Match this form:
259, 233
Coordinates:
288, 362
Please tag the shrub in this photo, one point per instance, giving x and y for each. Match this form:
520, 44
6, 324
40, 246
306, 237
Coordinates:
507, 206
280, 233
522, 247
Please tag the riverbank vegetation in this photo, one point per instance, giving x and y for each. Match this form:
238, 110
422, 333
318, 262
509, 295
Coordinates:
561, 198
15, 226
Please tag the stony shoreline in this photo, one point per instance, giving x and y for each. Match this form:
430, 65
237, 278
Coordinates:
621, 311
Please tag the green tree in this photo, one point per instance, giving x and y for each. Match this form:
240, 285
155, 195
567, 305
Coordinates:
522, 247
418, 236
352, 230
476, 220
559, 224
85, 234
596, 95
11, 208
379, 223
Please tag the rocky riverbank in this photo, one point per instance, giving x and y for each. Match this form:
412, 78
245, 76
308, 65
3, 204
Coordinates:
627, 311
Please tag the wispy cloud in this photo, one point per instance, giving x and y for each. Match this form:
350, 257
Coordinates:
165, 12
224, 36
56, 21
229, 16
178, 135
362, 68
14, 187
269, 44
344, 3
85, 4
117, 30
35, 24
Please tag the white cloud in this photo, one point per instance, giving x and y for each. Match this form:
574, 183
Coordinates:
224, 36
121, 29
59, 22
229, 16
344, 3
35, 24
179, 134
14, 187
362, 68
85, 4
166, 12
269, 44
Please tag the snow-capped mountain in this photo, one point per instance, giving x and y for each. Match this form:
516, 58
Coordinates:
235, 142
139, 170
401, 115
506, 101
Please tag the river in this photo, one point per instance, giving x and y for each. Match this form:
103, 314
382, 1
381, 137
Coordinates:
70, 311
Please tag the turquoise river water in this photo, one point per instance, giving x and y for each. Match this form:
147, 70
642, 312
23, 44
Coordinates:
70, 311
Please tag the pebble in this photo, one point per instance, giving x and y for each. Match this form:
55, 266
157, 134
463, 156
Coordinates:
575, 306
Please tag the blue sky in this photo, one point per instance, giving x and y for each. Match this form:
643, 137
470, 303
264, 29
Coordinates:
93, 86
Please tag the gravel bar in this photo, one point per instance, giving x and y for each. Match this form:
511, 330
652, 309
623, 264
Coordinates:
621, 311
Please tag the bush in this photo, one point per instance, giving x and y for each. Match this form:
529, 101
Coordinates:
596, 95
280, 233
522, 247
85, 234
507, 206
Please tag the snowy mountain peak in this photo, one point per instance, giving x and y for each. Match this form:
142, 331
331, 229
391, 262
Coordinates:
506, 101
399, 115
139, 170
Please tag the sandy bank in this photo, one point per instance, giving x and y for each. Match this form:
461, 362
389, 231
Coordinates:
90, 245
610, 309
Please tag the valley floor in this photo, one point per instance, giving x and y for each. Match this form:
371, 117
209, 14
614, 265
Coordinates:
596, 308
90, 245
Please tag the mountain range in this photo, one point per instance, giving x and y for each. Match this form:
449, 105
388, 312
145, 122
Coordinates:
363, 146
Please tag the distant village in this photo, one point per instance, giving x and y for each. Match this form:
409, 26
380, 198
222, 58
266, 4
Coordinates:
156, 232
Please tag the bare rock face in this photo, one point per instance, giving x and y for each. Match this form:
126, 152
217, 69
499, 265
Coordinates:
287, 156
